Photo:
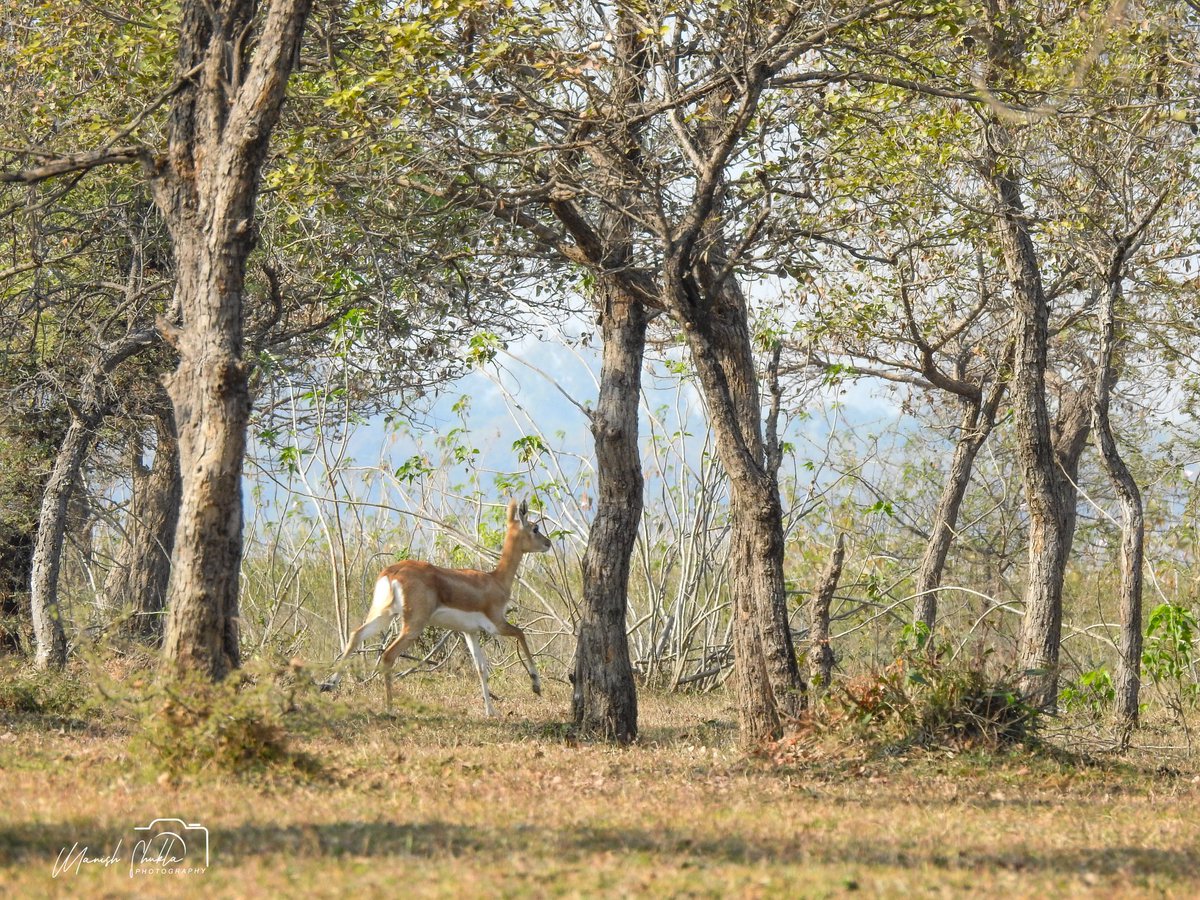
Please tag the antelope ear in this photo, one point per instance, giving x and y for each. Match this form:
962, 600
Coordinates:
512, 510
524, 510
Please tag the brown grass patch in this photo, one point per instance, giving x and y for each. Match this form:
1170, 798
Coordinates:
440, 802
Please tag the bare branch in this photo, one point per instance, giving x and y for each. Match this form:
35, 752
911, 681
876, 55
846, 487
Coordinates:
78, 162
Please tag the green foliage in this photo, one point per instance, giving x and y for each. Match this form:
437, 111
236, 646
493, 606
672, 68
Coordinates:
483, 348
413, 468
914, 637
27, 690
529, 448
1168, 655
240, 726
1092, 693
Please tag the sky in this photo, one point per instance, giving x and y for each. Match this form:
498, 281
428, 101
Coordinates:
536, 387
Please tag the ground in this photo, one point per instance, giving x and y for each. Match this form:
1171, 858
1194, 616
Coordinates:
440, 802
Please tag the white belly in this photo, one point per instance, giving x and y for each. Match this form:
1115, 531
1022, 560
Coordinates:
457, 620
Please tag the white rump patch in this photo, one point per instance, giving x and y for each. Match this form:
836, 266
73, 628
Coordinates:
457, 620
386, 593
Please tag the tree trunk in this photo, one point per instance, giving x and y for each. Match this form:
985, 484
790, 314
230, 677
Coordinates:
978, 419
49, 636
820, 654
604, 701
206, 189
1049, 461
1051, 539
945, 518
210, 394
1133, 529
86, 414
137, 584
715, 323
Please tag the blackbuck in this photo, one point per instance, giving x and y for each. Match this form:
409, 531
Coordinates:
463, 600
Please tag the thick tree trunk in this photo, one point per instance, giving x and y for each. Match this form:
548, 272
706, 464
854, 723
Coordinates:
138, 582
604, 701
756, 581
1049, 461
206, 189
820, 654
210, 394
770, 685
1051, 538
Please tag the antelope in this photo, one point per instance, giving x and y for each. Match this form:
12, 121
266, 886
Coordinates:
463, 600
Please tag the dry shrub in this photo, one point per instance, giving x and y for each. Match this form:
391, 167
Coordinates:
241, 726
917, 701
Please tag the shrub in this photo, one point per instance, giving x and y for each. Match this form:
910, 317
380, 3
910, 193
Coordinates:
922, 700
1092, 693
24, 689
1168, 656
241, 725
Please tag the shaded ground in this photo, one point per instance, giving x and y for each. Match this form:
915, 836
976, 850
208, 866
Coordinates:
439, 802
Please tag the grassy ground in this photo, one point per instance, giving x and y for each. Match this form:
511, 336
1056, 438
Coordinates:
439, 802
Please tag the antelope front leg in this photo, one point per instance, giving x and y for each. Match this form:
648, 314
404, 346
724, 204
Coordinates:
481, 666
509, 630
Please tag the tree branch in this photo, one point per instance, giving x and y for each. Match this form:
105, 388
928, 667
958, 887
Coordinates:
77, 162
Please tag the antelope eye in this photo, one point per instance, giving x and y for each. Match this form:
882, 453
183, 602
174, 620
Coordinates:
535, 529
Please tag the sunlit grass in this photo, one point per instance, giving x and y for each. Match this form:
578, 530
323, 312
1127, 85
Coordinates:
438, 801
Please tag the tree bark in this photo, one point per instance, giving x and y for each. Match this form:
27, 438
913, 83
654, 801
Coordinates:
1049, 460
219, 128
137, 584
1133, 529
978, 419
86, 414
820, 654
49, 635
211, 398
604, 700
715, 323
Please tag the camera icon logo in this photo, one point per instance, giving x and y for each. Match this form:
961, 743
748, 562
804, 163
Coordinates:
171, 844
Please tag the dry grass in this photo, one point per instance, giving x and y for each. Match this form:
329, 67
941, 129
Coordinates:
439, 802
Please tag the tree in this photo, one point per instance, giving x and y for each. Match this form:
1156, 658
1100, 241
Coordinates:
536, 133
219, 128
1050, 451
137, 582
233, 62
1052, 174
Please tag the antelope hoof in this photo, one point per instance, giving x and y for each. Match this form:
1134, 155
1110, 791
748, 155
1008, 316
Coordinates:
537, 686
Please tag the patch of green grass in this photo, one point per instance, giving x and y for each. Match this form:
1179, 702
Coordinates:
24, 689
